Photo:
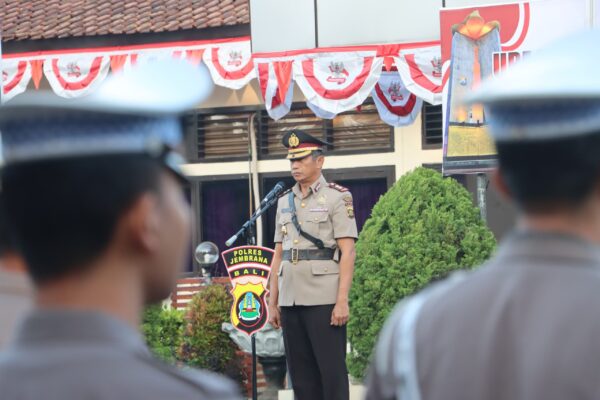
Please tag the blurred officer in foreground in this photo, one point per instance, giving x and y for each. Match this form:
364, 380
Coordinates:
15, 288
526, 324
312, 273
94, 197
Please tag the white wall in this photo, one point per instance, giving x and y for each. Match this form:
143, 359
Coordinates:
472, 3
354, 22
280, 25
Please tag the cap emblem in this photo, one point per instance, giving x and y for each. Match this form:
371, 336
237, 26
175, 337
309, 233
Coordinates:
293, 141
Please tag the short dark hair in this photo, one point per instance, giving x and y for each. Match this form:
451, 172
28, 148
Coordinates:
64, 212
544, 176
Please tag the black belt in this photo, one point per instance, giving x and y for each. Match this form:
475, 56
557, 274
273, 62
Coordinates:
295, 255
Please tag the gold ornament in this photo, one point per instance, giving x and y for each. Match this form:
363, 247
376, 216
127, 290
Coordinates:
293, 141
350, 211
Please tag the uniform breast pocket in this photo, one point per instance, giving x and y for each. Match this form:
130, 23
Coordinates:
316, 224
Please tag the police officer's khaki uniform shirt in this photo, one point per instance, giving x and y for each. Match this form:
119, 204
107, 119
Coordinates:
63, 355
326, 213
525, 326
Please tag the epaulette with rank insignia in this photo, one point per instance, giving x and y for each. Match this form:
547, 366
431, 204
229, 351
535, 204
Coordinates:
337, 187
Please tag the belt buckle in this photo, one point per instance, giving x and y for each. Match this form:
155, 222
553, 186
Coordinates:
294, 256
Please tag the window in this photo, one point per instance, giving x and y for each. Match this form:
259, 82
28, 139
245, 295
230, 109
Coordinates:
272, 131
222, 136
350, 132
432, 128
361, 130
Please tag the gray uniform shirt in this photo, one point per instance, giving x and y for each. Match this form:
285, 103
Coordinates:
15, 301
524, 326
61, 355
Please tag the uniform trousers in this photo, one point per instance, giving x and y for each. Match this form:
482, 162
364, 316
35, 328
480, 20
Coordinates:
316, 353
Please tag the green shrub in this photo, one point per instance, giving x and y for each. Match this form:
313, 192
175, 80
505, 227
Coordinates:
204, 344
162, 329
423, 228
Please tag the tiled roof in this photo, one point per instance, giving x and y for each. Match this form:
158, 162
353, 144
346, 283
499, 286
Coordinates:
49, 19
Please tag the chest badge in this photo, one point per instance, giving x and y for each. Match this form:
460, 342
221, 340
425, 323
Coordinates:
322, 200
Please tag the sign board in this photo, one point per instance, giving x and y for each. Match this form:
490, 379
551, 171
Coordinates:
479, 42
248, 268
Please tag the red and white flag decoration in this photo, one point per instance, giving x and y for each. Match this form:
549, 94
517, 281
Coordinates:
230, 64
76, 75
319, 112
276, 86
421, 72
16, 74
338, 81
395, 104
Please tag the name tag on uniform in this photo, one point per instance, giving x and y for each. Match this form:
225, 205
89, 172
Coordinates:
319, 210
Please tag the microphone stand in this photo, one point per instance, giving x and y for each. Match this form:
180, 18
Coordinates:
247, 231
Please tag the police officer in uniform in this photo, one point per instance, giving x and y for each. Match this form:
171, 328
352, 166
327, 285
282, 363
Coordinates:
92, 189
525, 325
312, 273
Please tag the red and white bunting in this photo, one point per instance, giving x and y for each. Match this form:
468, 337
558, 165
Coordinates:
269, 88
319, 112
337, 81
421, 72
230, 64
76, 75
16, 74
395, 104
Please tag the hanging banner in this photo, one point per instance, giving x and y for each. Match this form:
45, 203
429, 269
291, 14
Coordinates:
319, 112
396, 105
478, 42
16, 75
421, 71
76, 75
248, 268
339, 81
230, 64
277, 106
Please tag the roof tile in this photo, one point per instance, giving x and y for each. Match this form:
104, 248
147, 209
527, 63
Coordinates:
46, 19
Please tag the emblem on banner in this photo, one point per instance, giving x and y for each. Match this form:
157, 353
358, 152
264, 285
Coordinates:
248, 268
235, 58
436, 63
338, 73
395, 91
73, 70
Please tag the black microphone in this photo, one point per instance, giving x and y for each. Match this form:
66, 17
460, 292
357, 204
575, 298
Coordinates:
275, 192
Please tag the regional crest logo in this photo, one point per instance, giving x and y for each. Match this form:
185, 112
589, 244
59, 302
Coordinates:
248, 268
235, 58
436, 63
338, 72
395, 91
73, 70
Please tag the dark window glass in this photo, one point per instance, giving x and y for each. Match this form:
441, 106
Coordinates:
432, 128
